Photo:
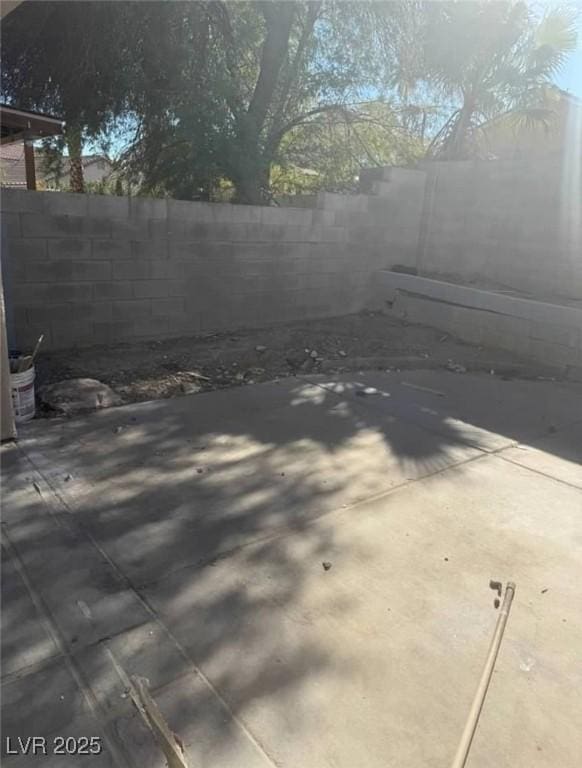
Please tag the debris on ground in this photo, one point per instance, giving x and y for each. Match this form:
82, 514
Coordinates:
367, 391
456, 367
497, 586
429, 390
133, 372
195, 375
77, 395
326, 565
189, 388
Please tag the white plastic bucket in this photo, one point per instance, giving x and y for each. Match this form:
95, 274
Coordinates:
22, 391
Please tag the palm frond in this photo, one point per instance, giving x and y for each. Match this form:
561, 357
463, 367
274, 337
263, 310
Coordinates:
554, 39
532, 119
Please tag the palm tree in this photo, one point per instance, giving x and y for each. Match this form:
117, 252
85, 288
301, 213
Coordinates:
491, 59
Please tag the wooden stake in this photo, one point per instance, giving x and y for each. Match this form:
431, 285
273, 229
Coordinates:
479, 698
153, 718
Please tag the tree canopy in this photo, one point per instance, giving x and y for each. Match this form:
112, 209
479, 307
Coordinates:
278, 94
269, 69
501, 63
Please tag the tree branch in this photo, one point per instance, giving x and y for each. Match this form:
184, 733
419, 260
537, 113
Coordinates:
314, 9
279, 19
277, 136
218, 13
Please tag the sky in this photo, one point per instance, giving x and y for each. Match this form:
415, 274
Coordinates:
570, 78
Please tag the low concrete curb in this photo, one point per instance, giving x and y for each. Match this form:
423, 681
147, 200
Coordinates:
548, 333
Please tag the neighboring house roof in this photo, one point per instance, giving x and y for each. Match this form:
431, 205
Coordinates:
12, 168
88, 162
8, 6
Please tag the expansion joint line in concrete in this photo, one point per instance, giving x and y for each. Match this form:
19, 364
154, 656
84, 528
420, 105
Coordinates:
51, 628
245, 730
540, 472
470, 443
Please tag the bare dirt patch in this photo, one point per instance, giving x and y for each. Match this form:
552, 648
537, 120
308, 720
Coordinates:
370, 340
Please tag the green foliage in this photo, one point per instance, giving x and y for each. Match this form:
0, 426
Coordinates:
63, 59
92, 63
328, 152
275, 68
250, 99
491, 58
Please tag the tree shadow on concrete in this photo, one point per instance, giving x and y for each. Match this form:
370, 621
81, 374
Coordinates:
207, 511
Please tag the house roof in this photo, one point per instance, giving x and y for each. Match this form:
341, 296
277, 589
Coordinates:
18, 124
8, 6
86, 161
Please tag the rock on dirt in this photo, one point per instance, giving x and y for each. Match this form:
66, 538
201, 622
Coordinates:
297, 359
456, 367
190, 388
77, 395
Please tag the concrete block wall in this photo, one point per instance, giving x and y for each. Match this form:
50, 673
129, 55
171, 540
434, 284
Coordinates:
392, 208
505, 224
88, 269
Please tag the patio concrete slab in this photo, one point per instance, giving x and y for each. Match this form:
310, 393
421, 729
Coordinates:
558, 455
204, 724
50, 698
25, 639
189, 481
491, 412
374, 662
184, 539
71, 578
